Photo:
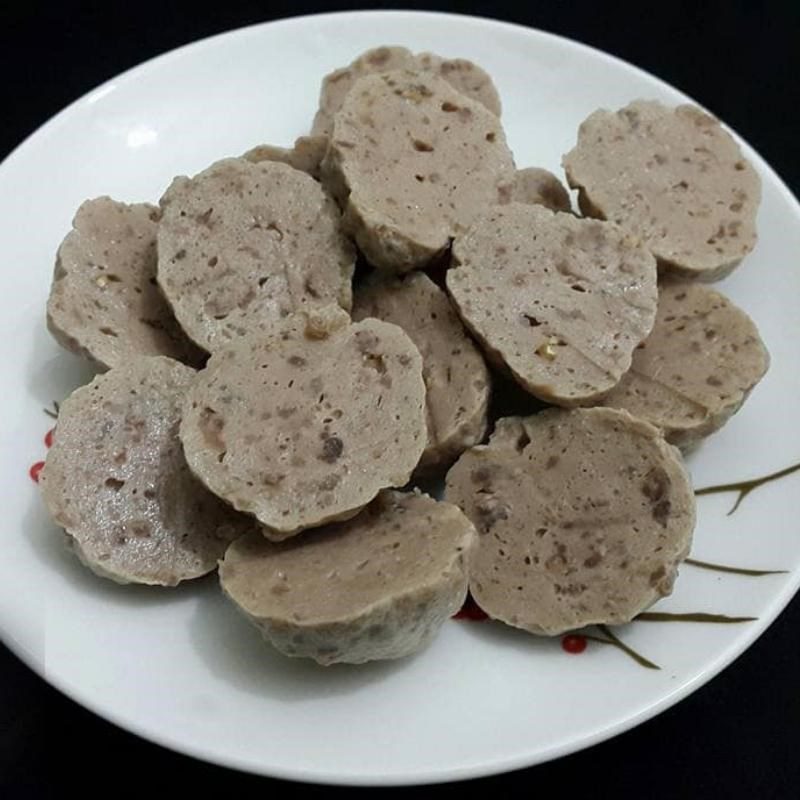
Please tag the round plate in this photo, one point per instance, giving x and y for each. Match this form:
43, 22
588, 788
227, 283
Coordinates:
180, 666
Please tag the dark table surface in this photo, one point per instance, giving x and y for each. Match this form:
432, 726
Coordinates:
737, 736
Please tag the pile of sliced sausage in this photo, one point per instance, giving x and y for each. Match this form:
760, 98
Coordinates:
295, 338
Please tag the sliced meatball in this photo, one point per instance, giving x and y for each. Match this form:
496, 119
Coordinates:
696, 368
537, 186
583, 517
559, 301
413, 162
375, 587
675, 178
116, 480
456, 378
463, 75
104, 303
305, 423
243, 243
306, 155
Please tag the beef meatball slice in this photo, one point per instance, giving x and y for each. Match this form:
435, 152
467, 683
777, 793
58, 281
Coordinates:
304, 423
463, 75
672, 176
244, 243
583, 517
104, 303
413, 162
378, 586
116, 480
559, 302
697, 367
456, 378
306, 155
537, 186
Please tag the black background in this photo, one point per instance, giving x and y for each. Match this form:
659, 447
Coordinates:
736, 737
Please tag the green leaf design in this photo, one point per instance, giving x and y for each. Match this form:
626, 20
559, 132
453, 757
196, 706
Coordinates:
52, 412
695, 616
615, 641
745, 487
735, 570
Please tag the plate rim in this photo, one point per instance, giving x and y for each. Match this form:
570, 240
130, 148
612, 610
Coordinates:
724, 657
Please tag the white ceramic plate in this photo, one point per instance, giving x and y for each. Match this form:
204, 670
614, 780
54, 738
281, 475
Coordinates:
180, 667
